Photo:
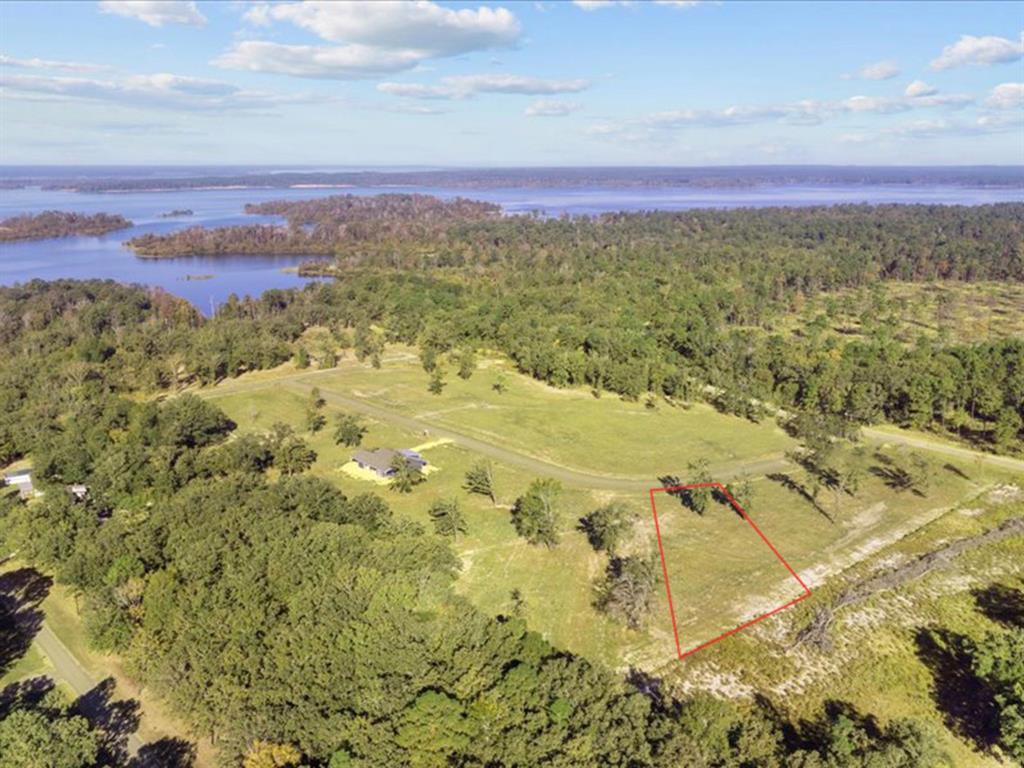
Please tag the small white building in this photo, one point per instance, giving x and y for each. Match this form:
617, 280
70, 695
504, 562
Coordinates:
22, 480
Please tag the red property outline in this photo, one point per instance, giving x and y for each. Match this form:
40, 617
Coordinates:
664, 567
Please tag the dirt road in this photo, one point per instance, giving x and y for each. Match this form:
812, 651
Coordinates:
302, 384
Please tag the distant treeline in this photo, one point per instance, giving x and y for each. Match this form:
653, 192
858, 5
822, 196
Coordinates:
59, 224
483, 178
664, 303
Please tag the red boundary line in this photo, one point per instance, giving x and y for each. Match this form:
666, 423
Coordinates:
664, 567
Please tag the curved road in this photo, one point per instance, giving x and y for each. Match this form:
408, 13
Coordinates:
752, 467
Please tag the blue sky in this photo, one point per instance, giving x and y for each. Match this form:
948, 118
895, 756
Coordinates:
514, 83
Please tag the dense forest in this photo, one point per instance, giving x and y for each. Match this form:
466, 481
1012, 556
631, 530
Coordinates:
290, 624
589, 177
59, 224
666, 303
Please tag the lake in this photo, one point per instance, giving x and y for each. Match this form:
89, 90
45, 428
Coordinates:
106, 256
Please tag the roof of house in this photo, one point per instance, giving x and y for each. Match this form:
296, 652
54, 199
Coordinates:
381, 459
378, 459
18, 474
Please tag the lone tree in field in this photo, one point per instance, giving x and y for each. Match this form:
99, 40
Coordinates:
448, 518
609, 527
315, 419
349, 430
742, 493
406, 476
627, 590
518, 601
467, 363
437, 382
697, 499
480, 479
534, 514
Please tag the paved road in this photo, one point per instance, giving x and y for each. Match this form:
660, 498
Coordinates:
69, 669
303, 383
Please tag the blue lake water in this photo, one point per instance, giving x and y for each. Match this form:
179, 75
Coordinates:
106, 257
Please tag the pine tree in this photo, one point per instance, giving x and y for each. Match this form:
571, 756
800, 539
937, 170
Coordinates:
480, 479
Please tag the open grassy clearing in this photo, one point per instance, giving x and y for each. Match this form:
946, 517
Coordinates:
737, 577
569, 427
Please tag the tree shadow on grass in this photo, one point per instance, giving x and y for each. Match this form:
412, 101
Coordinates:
792, 485
954, 469
116, 719
966, 703
896, 478
165, 753
21, 592
26, 693
1002, 604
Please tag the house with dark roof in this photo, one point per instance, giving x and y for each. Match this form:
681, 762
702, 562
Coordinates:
380, 460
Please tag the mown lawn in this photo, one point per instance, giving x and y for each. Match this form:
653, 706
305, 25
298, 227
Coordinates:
720, 572
569, 427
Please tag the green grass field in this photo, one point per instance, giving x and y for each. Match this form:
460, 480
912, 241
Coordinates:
569, 427
720, 572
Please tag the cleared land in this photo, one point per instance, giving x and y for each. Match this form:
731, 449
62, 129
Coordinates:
566, 427
880, 647
819, 538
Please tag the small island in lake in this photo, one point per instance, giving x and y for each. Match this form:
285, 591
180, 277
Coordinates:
48, 224
177, 213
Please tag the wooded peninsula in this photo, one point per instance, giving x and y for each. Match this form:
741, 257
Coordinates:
47, 224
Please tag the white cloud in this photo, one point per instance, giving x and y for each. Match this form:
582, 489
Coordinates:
551, 108
317, 61
1007, 96
156, 13
920, 88
877, 104
887, 106
158, 91
65, 66
379, 37
879, 70
593, 5
656, 127
979, 51
393, 24
467, 86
